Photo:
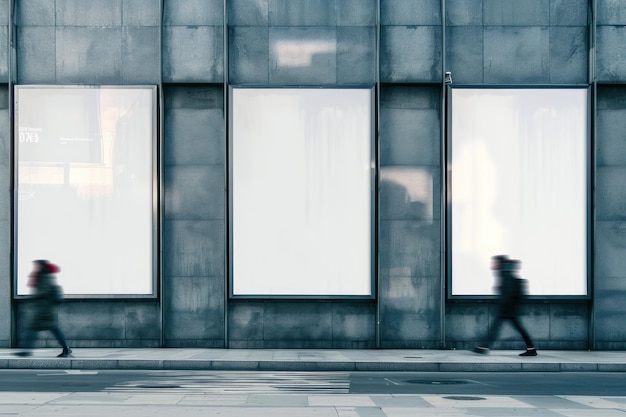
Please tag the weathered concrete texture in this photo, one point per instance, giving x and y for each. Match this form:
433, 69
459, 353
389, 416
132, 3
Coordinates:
516, 55
336, 324
464, 53
551, 326
35, 12
610, 193
611, 12
569, 55
611, 137
516, 13
141, 13
193, 12
302, 55
569, 12
410, 54
36, 54
464, 12
409, 248
140, 55
302, 12
410, 312
88, 12
248, 48
356, 55
196, 309
193, 54
194, 216
194, 248
99, 323
410, 12
610, 57
6, 239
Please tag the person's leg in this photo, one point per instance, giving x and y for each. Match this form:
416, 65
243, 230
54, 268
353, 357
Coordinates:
530, 347
58, 334
492, 334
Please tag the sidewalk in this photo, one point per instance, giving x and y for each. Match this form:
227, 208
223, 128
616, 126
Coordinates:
318, 360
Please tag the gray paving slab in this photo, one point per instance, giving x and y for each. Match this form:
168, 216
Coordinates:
317, 360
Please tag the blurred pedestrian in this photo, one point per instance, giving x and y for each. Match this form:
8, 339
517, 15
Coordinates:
47, 294
512, 291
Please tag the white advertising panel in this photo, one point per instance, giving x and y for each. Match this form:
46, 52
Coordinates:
84, 187
301, 192
519, 187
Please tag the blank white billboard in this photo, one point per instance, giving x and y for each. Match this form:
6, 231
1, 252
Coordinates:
85, 187
519, 186
301, 178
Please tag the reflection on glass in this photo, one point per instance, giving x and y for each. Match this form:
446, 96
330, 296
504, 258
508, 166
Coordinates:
519, 187
301, 190
85, 187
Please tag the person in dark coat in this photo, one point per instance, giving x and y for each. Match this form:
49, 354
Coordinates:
511, 293
46, 295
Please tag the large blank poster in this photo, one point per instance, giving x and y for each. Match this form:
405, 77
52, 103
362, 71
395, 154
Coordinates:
519, 184
85, 187
301, 192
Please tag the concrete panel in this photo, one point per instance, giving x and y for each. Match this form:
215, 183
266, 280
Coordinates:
516, 13
464, 12
248, 12
194, 192
193, 12
466, 322
356, 55
92, 320
245, 320
194, 137
293, 321
568, 12
568, 322
195, 307
410, 12
88, 55
302, 13
410, 137
410, 308
410, 193
356, 13
248, 59
141, 13
143, 321
36, 55
193, 54
568, 55
5, 199
5, 137
194, 248
609, 308
611, 137
141, 55
35, 12
464, 54
610, 193
303, 55
409, 248
410, 54
611, 12
89, 12
4, 55
610, 59
194, 96
516, 55
354, 321
410, 97
610, 249
611, 97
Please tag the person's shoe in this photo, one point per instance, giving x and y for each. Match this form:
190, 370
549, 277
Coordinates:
66, 352
529, 352
482, 350
23, 353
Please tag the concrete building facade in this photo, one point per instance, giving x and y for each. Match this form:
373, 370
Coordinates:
193, 50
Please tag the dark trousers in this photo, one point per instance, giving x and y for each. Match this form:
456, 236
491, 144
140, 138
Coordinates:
31, 336
496, 325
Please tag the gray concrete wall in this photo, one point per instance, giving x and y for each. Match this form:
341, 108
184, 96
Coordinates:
183, 50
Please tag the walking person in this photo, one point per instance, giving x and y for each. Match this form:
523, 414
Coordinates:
46, 295
512, 291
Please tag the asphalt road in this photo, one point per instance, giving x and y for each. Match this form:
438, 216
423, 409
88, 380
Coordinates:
183, 382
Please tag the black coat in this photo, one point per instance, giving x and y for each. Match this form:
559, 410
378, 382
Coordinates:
47, 295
